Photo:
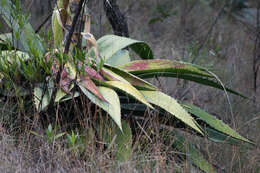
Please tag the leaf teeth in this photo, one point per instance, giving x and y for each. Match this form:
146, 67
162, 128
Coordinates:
172, 106
215, 123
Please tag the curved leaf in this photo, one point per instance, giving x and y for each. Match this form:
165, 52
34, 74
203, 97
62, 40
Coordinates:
163, 65
86, 82
168, 68
110, 75
213, 122
110, 44
134, 80
193, 78
119, 58
112, 106
129, 89
217, 136
170, 105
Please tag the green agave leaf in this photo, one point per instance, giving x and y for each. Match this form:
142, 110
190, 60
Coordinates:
123, 142
119, 58
193, 154
110, 75
112, 106
27, 39
163, 66
214, 123
174, 69
110, 44
170, 105
220, 137
211, 133
42, 95
134, 80
193, 78
129, 89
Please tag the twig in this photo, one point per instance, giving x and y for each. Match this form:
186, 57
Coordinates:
43, 23
75, 19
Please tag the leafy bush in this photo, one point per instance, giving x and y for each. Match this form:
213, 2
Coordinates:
105, 74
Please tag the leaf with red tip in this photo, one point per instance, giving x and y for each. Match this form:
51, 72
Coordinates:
65, 81
86, 82
167, 68
163, 66
93, 73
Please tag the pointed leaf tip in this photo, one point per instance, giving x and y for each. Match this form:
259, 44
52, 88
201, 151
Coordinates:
172, 106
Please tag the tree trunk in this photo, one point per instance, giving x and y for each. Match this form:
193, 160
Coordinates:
116, 18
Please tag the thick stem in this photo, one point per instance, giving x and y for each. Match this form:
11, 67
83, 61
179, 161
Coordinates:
116, 18
75, 19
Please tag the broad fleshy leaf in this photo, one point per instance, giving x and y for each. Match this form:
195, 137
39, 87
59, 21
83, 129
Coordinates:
192, 153
110, 44
163, 66
112, 104
214, 123
110, 75
86, 82
170, 105
23, 33
134, 80
93, 73
217, 136
129, 89
119, 58
174, 69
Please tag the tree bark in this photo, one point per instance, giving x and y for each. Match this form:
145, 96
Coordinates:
116, 18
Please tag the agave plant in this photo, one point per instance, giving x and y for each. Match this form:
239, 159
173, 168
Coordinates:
104, 72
